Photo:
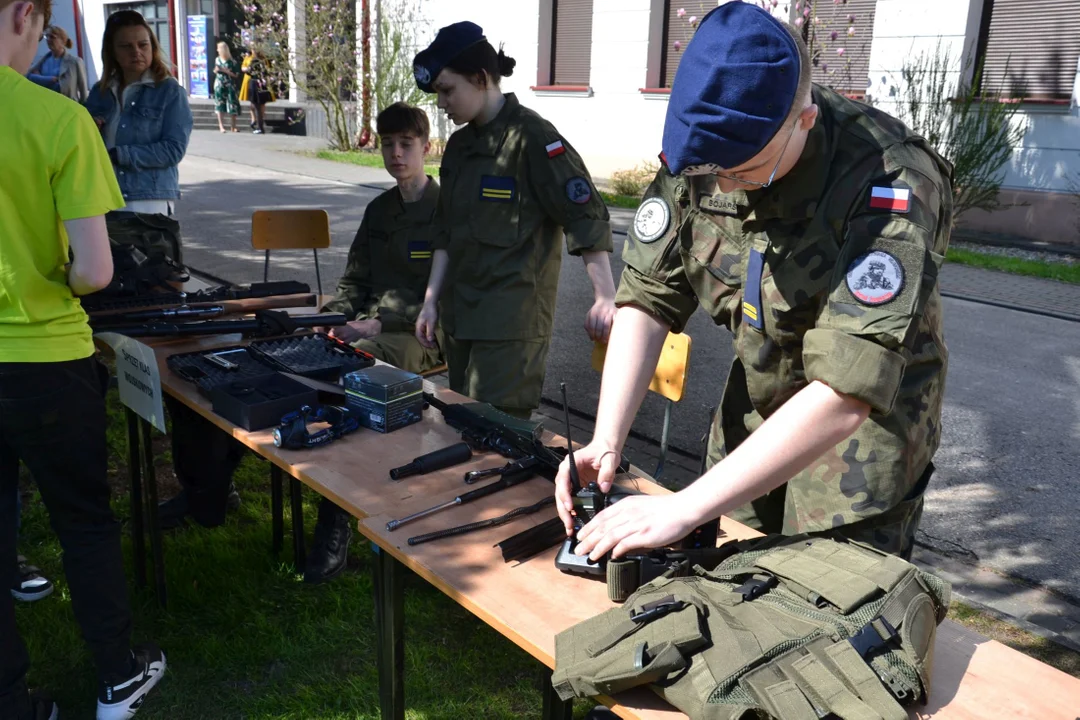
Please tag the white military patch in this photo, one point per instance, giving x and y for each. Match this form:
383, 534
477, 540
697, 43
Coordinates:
578, 190
875, 278
651, 219
423, 77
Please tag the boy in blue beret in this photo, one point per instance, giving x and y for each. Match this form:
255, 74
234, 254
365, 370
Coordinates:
812, 227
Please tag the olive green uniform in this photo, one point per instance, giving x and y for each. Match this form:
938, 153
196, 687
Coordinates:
386, 277
511, 189
840, 273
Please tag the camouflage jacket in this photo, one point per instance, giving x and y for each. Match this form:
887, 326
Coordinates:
389, 261
830, 274
511, 189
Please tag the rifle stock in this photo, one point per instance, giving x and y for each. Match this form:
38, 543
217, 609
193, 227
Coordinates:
227, 307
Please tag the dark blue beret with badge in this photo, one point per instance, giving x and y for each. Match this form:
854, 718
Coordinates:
448, 44
734, 87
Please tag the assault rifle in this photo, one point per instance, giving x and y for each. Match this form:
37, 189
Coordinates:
99, 303
201, 310
266, 323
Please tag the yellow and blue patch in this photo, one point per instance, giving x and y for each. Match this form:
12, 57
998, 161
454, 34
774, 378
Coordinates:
751, 305
497, 188
419, 250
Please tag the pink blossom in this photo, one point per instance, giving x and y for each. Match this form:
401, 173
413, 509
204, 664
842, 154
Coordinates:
840, 52
681, 12
806, 11
775, 3
851, 31
798, 22
692, 20
851, 18
678, 45
824, 67
798, 6
834, 35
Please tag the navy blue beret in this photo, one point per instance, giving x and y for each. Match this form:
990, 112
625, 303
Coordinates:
734, 87
448, 44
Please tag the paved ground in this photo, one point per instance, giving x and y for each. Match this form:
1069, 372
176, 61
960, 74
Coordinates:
1004, 497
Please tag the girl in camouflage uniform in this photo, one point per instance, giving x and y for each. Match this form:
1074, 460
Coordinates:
512, 187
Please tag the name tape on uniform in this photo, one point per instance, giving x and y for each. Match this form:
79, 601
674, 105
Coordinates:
894, 199
555, 149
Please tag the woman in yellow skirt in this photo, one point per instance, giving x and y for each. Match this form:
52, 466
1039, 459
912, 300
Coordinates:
255, 89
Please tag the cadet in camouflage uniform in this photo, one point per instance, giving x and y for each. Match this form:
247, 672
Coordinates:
382, 290
512, 186
825, 271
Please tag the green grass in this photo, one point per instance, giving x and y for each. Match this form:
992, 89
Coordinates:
245, 638
1017, 266
622, 201
367, 159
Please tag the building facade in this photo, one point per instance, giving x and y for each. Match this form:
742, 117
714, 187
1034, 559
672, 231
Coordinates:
600, 70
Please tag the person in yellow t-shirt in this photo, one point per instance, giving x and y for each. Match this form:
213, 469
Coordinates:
56, 185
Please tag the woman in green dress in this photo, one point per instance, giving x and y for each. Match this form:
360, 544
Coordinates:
226, 73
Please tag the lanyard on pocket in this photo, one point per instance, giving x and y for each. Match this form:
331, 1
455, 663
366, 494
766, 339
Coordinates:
751, 306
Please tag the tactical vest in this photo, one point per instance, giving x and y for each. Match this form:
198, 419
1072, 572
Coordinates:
793, 628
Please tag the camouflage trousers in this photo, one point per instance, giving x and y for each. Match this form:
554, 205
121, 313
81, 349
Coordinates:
891, 531
509, 374
402, 350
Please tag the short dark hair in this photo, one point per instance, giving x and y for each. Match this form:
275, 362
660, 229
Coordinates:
403, 118
479, 62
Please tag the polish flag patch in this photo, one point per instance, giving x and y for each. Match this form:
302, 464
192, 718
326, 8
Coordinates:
555, 149
893, 199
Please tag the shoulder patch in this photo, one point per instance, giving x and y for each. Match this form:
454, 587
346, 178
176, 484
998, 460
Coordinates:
875, 278
652, 219
555, 149
894, 198
578, 190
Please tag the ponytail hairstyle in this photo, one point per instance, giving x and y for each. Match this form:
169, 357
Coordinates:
60, 34
479, 63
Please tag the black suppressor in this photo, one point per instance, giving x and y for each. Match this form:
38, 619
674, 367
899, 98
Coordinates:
448, 456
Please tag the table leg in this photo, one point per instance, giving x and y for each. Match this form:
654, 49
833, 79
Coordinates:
554, 707
138, 531
299, 554
277, 507
150, 476
387, 576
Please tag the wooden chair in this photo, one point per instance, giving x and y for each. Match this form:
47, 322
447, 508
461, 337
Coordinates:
290, 230
669, 381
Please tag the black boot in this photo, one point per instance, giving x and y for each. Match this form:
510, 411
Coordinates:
172, 512
330, 550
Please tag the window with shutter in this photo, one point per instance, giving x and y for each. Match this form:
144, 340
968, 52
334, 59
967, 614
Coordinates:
571, 41
678, 30
1029, 48
839, 41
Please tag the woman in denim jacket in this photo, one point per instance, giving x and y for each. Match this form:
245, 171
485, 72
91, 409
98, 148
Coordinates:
143, 114
146, 122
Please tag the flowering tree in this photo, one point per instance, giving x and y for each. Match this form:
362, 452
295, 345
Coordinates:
399, 28
828, 29
325, 68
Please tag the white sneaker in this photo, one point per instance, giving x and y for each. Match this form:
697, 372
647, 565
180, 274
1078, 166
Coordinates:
122, 700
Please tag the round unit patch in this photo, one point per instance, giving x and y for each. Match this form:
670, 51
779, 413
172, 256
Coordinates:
651, 219
875, 278
578, 190
422, 74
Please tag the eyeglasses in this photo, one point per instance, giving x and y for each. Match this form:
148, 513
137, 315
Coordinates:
711, 169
